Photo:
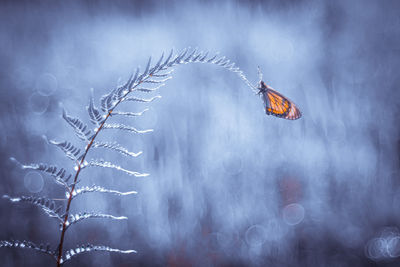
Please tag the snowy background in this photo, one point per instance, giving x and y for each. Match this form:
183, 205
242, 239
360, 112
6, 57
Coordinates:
228, 185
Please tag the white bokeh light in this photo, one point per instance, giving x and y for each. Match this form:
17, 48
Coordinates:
33, 181
293, 214
46, 84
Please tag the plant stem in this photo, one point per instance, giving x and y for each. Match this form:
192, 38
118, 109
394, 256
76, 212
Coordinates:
64, 227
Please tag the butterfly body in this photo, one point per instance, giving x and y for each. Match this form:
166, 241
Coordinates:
276, 104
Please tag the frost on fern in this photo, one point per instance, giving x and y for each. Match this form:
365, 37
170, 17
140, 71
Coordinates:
59, 175
29, 245
99, 189
116, 147
47, 205
90, 248
74, 218
150, 80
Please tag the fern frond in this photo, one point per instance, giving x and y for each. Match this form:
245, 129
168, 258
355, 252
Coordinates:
155, 68
75, 218
144, 100
180, 59
81, 129
107, 101
125, 128
129, 114
148, 90
231, 66
134, 79
60, 176
71, 151
224, 63
116, 147
110, 100
157, 81
27, 244
166, 74
202, 58
212, 58
187, 56
121, 92
105, 164
94, 114
177, 58
218, 61
124, 89
99, 189
89, 248
146, 71
196, 57
47, 205
166, 62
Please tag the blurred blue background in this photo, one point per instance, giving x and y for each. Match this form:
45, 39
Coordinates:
229, 186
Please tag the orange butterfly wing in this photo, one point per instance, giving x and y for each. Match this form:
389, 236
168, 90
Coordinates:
279, 106
276, 104
294, 112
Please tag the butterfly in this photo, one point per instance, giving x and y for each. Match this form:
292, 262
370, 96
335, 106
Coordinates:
276, 104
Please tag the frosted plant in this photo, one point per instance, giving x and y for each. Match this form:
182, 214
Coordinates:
150, 80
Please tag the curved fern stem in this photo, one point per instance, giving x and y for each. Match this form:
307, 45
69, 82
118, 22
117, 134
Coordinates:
65, 225
109, 104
